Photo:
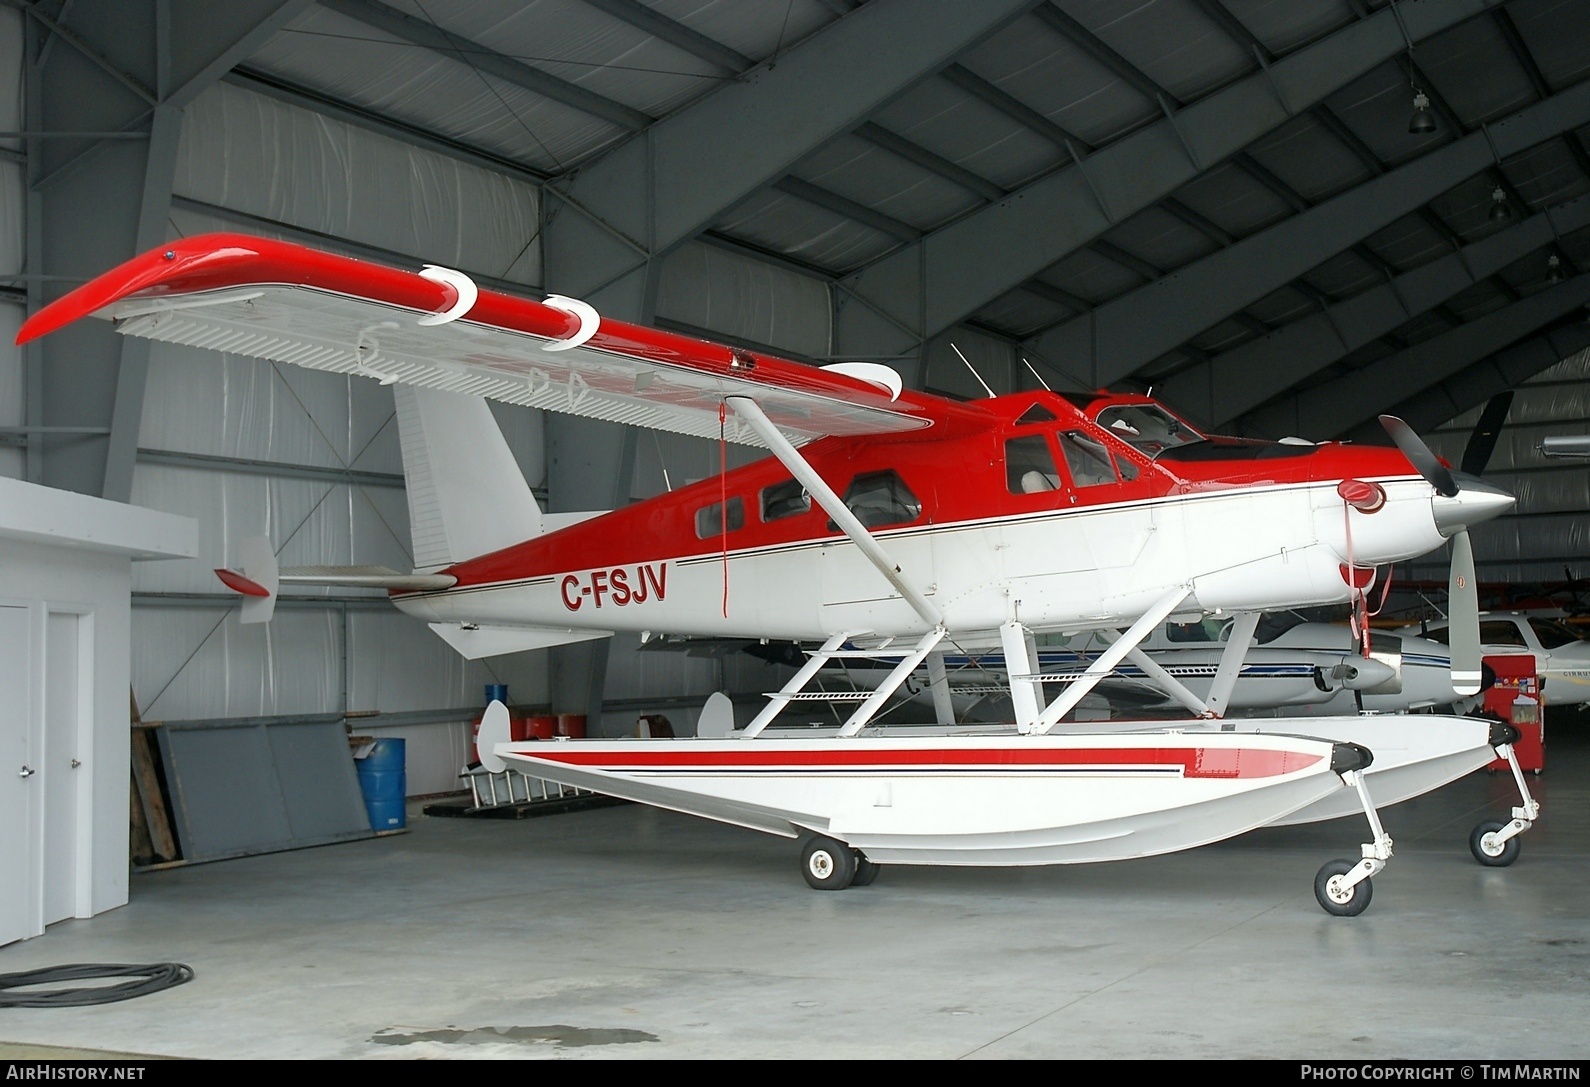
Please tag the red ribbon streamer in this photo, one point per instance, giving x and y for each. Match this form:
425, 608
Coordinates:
723, 496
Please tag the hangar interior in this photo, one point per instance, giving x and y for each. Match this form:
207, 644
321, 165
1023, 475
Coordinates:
1280, 217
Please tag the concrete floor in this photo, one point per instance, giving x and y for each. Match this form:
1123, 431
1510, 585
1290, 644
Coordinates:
628, 932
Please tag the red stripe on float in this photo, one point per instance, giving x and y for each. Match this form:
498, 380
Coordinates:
1195, 762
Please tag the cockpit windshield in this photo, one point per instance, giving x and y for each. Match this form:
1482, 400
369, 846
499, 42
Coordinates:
1151, 429
1552, 635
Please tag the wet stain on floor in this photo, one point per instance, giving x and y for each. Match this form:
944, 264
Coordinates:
557, 1034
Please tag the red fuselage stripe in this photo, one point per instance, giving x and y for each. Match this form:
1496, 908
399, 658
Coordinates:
1194, 762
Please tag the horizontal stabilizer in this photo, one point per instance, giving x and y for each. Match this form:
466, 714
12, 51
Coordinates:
240, 584
474, 642
365, 577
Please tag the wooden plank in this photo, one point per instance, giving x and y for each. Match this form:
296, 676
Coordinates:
139, 843
147, 784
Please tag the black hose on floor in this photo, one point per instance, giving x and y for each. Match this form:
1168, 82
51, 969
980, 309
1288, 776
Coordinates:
150, 978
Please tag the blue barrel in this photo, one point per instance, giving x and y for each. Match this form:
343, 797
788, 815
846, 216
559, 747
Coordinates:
496, 692
383, 779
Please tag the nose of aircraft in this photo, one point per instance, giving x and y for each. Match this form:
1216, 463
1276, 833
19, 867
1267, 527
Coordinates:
1474, 502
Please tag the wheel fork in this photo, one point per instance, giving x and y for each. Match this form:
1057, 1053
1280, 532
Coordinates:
1375, 853
1525, 815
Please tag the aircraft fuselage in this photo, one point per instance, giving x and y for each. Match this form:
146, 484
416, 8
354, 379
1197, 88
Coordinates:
1092, 544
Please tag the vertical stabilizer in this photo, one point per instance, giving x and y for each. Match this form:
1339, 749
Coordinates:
467, 496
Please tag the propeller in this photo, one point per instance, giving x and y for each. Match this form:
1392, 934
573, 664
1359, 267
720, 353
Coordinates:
1472, 502
1463, 619
1482, 439
1423, 459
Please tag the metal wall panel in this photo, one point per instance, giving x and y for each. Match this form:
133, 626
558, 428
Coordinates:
13, 394
247, 789
258, 155
190, 663
712, 288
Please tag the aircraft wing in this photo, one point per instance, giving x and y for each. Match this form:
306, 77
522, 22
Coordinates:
288, 303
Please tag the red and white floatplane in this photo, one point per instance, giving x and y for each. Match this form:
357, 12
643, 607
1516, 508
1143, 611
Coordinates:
886, 522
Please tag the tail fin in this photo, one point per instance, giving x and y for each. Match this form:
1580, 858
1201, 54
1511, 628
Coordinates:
467, 496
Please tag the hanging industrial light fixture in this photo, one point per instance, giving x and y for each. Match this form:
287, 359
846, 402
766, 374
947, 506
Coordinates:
1500, 212
1421, 123
1554, 264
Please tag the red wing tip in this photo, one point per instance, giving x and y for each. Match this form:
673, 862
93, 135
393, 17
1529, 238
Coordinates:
238, 583
33, 328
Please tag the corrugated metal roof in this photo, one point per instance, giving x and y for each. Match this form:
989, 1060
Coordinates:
1170, 41
352, 61
970, 133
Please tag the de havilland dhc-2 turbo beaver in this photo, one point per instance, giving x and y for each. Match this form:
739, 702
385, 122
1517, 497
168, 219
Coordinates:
886, 519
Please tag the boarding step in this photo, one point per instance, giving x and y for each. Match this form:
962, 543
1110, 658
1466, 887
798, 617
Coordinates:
512, 795
882, 653
1066, 677
979, 688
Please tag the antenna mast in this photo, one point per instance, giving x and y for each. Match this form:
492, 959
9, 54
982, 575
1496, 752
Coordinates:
973, 369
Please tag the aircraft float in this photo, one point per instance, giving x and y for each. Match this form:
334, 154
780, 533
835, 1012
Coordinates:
885, 519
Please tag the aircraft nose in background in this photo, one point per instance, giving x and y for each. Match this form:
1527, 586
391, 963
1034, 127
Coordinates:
1474, 502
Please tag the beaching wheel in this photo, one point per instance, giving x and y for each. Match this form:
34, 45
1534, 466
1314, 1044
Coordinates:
1337, 899
1488, 851
828, 865
866, 871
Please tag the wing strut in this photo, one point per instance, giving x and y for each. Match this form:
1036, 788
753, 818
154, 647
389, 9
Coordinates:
1230, 670
825, 497
1107, 660
1168, 683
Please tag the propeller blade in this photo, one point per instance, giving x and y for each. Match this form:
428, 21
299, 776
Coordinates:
1424, 461
1463, 619
1482, 441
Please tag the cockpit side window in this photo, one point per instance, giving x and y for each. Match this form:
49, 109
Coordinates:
1088, 460
1029, 466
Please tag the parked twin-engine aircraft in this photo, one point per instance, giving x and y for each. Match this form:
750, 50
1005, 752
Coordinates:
884, 518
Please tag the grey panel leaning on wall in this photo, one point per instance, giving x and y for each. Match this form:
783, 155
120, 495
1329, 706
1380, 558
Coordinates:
252, 786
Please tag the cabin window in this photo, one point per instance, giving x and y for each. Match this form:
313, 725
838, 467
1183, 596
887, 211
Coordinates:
1151, 429
784, 500
1036, 414
881, 498
1502, 632
1029, 466
1202, 630
1126, 467
1088, 460
710, 522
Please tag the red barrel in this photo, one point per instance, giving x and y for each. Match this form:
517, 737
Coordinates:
571, 725
541, 726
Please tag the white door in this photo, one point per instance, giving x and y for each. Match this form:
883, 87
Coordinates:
19, 887
60, 764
